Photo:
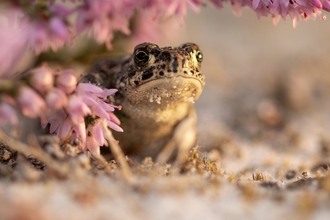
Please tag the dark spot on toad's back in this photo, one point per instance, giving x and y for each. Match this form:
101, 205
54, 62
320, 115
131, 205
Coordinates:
148, 73
161, 73
189, 49
155, 52
165, 56
103, 73
131, 74
90, 78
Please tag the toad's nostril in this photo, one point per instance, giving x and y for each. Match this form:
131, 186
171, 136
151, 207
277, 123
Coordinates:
165, 56
175, 65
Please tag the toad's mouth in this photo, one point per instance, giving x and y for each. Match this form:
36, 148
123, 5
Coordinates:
170, 89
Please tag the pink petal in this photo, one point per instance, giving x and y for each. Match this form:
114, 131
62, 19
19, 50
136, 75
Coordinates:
80, 129
255, 4
93, 146
326, 6
64, 129
89, 100
107, 107
97, 133
42, 79
60, 10
99, 111
316, 3
56, 98
67, 81
77, 107
30, 103
108, 92
58, 28
7, 113
88, 87
217, 3
114, 126
114, 118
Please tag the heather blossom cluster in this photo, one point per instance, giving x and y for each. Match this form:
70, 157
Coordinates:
294, 9
85, 118
52, 23
76, 113
38, 25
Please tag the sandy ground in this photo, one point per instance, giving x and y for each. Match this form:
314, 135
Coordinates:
264, 144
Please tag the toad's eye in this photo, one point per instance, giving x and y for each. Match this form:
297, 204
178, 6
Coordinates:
199, 56
141, 57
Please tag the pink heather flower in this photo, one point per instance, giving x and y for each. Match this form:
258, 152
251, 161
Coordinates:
84, 88
95, 137
66, 81
54, 118
56, 98
217, 3
38, 37
98, 133
150, 29
59, 31
30, 103
43, 34
92, 145
169, 8
102, 17
60, 123
64, 129
7, 114
94, 97
114, 123
42, 79
60, 10
77, 109
12, 41
88, 101
80, 133
295, 9
179, 7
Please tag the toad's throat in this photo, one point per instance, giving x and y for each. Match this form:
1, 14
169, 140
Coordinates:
170, 89
175, 80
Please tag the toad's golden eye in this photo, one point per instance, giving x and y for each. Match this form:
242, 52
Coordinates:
199, 56
141, 57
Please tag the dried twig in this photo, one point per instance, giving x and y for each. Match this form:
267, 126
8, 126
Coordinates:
61, 168
119, 155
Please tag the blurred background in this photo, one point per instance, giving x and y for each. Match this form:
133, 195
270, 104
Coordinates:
268, 87
252, 65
